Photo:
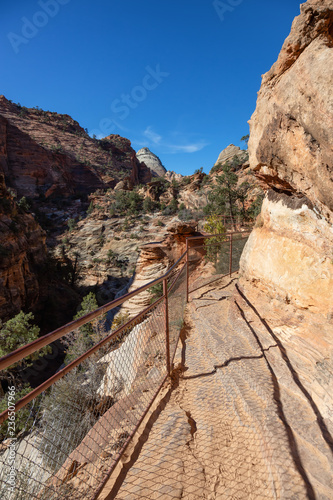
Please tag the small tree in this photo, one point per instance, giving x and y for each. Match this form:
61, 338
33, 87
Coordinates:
173, 205
17, 332
71, 223
245, 138
242, 195
150, 205
255, 208
198, 170
214, 225
223, 197
81, 339
23, 204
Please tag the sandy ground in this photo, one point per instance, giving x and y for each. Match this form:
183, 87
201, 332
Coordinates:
225, 430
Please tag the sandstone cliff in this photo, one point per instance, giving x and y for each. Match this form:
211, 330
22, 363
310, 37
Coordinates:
46, 155
287, 264
290, 143
22, 254
52, 162
152, 161
228, 154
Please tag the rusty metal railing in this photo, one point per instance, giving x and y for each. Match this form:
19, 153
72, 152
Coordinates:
74, 427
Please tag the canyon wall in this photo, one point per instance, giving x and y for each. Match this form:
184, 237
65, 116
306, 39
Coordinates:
22, 256
46, 154
287, 264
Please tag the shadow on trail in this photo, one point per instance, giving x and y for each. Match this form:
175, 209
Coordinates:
320, 420
277, 398
144, 435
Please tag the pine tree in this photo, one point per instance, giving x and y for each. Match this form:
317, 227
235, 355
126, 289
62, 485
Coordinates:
223, 197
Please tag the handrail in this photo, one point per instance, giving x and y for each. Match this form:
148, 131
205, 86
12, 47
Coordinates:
214, 235
152, 313
47, 339
61, 373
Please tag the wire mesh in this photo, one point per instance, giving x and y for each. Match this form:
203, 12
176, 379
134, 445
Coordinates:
214, 251
238, 243
73, 433
177, 304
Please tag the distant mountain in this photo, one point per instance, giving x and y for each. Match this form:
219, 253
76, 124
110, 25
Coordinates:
152, 161
228, 153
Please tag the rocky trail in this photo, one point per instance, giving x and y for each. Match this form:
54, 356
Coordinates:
229, 428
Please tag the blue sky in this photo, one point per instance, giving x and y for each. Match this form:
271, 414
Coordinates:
178, 76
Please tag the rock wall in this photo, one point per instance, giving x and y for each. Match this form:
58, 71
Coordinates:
47, 154
154, 260
22, 254
287, 264
290, 144
289, 254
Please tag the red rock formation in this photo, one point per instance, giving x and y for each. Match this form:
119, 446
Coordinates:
50, 154
287, 264
291, 136
22, 253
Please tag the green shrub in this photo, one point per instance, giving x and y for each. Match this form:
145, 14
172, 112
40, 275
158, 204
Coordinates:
17, 332
71, 223
156, 291
90, 208
23, 204
185, 214
171, 208
150, 205
128, 202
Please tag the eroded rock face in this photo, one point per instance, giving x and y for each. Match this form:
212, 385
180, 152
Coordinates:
171, 175
152, 161
154, 261
228, 153
287, 263
291, 129
47, 154
22, 254
289, 254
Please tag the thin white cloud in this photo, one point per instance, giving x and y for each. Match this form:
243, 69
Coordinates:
186, 148
152, 136
170, 146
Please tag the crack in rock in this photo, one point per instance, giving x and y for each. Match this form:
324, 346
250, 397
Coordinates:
213, 300
193, 425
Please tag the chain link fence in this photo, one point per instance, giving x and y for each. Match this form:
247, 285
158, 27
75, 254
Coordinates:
221, 251
64, 438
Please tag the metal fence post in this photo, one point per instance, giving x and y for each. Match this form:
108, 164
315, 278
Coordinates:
167, 337
230, 256
187, 270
